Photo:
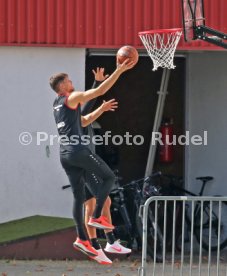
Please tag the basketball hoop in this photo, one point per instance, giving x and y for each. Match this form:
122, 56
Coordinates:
161, 46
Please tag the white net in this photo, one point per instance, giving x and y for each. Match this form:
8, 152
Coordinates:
161, 46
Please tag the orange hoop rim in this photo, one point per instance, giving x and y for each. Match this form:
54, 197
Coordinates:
161, 31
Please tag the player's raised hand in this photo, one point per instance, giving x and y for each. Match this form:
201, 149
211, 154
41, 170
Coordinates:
126, 65
99, 74
110, 105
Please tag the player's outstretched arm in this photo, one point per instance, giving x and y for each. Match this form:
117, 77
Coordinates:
91, 117
81, 97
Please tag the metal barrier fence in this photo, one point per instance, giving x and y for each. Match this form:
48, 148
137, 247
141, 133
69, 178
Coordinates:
189, 233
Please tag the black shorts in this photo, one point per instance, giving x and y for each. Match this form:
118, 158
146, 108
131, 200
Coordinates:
84, 166
93, 178
90, 178
88, 194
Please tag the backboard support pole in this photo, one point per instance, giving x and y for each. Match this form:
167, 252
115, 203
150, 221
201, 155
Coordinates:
157, 121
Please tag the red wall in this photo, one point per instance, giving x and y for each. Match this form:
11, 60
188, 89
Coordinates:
96, 23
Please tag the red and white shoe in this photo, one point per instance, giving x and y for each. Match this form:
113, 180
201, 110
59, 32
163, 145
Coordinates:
100, 223
102, 258
85, 247
117, 248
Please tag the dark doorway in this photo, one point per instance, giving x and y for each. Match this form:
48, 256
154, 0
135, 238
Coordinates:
136, 92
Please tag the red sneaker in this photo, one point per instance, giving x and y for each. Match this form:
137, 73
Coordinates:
85, 247
100, 223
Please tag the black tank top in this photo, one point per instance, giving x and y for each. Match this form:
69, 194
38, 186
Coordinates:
69, 127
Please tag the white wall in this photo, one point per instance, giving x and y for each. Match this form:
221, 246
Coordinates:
206, 109
30, 180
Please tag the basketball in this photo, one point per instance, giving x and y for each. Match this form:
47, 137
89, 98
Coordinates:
126, 52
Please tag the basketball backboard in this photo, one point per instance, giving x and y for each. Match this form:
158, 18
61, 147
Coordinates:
193, 16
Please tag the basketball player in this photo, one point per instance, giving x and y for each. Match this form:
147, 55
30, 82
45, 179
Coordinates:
75, 156
113, 245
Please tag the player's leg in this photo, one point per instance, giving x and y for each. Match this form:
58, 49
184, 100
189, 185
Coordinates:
89, 209
89, 205
75, 176
105, 180
93, 164
113, 245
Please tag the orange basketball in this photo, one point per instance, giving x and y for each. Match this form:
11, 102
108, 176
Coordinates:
127, 52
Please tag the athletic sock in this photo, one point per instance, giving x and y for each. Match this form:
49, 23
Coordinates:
95, 244
110, 237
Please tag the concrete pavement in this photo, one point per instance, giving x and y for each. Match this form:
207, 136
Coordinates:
67, 268
127, 266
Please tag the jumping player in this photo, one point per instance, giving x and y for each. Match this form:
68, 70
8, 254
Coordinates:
75, 156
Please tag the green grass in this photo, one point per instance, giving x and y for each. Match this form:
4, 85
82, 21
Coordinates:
32, 226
